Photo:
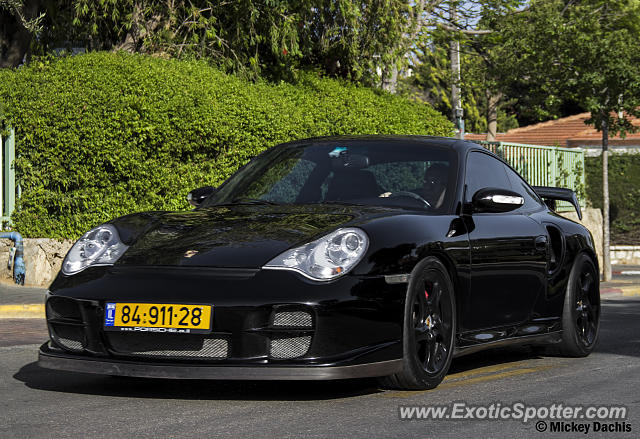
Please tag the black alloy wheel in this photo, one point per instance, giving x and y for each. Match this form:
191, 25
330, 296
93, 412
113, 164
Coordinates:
587, 308
581, 314
429, 328
432, 325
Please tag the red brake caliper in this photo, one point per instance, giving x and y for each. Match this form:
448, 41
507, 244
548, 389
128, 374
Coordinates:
426, 295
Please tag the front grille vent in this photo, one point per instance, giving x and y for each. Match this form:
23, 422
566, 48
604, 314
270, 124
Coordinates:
290, 347
62, 308
178, 346
66, 326
298, 319
68, 337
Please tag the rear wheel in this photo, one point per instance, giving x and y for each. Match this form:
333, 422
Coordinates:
429, 328
581, 313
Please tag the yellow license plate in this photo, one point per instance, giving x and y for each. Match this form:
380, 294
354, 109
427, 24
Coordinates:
166, 317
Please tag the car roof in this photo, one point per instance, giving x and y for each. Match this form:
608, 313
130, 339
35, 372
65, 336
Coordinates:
460, 146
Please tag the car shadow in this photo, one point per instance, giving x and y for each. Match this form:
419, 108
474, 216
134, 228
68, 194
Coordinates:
492, 357
36, 377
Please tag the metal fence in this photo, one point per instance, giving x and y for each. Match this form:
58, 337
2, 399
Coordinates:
8, 178
545, 166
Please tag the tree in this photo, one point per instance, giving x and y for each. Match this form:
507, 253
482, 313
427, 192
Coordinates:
19, 20
431, 81
366, 41
587, 51
468, 25
271, 38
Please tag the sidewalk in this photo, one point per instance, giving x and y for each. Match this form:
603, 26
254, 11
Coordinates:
625, 282
617, 288
21, 302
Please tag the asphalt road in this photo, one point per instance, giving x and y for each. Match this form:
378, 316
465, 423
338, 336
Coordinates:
36, 402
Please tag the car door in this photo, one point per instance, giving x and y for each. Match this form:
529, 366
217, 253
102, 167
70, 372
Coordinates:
508, 253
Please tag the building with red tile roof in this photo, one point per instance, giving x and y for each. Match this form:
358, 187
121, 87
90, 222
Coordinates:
569, 132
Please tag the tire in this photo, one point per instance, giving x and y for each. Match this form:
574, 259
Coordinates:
428, 328
581, 311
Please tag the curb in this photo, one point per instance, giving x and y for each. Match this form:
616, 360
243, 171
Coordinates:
22, 311
627, 272
627, 291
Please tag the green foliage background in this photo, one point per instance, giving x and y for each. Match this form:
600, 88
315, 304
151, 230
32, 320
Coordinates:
106, 134
624, 192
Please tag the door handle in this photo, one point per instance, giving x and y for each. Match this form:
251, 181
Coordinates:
541, 243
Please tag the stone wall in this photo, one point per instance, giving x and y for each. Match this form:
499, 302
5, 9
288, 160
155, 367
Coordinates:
42, 259
625, 254
592, 220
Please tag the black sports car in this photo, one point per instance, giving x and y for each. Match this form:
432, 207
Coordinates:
331, 258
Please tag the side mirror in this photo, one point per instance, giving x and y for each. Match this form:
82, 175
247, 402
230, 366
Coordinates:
197, 196
495, 200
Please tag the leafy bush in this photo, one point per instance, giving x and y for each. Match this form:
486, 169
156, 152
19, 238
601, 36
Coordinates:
106, 134
624, 194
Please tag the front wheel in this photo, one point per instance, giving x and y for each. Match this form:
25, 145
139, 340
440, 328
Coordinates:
581, 313
429, 328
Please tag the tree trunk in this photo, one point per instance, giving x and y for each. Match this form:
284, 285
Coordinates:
15, 39
606, 269
390, 79
132, 39
493, 100
456, 93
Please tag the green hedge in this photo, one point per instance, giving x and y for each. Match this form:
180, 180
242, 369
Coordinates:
624, 194
105, 134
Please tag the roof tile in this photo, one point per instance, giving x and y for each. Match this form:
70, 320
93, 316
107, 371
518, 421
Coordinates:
568, 131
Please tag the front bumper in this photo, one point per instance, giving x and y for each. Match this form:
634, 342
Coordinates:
51, 359
353, 326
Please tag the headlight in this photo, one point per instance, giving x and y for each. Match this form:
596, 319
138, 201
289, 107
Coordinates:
99, 246
326, 258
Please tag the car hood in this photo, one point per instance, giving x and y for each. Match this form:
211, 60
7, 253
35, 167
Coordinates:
242, 236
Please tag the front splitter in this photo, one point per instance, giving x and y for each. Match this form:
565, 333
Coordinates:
60, 361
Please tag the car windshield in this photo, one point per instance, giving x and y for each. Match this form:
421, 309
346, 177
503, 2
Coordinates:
392, 173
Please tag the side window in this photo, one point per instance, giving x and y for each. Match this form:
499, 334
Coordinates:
531, 199
484, 171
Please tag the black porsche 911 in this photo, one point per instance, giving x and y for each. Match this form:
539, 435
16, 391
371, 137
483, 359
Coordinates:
331, 258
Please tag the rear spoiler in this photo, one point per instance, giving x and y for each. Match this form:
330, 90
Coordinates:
551, 194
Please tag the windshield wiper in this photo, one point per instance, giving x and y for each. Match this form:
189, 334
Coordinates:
247, 200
